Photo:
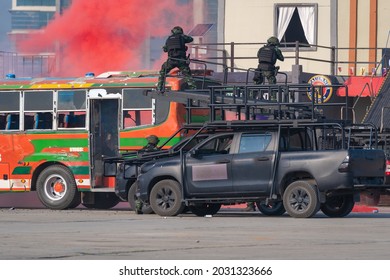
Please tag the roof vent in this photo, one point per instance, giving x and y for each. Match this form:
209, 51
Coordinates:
90, 75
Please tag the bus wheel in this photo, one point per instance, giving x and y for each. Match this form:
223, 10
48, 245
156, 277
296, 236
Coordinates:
132, 198
102, 200
57, 188
76, 202
301, 200
166, 199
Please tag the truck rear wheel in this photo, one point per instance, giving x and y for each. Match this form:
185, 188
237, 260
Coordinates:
132, 198
166, 198
203, 209
301, 200
338, 206
57, 189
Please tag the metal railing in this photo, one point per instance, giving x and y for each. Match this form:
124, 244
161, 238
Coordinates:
222, 54
226, 54
24, 65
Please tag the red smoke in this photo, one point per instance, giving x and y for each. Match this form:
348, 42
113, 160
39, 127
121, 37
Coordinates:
106, 35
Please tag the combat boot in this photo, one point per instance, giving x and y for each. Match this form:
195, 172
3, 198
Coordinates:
138, 207
191, 85
250, 207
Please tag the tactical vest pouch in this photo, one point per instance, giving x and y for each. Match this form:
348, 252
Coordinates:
267, 55
175, 45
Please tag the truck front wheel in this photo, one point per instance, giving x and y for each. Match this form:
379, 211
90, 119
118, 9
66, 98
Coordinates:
166, 198
338, 206
301, 200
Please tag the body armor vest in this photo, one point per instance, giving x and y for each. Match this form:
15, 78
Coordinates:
175, 45
267, 55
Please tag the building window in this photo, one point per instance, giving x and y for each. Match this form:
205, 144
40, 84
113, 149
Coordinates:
36, 2
30, 20
296, 22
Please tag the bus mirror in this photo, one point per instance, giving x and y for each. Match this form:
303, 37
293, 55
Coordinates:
109, 169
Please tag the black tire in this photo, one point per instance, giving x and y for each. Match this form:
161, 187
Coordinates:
271, 209
57, 189
166, 198
203, 209
132, 198
76, 202
300, 200
338, 206
103, 200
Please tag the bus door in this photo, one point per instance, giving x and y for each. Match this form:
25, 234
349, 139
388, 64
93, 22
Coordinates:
104, 121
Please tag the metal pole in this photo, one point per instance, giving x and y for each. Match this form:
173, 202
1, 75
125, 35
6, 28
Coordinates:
296, 52
232, 56
332, 61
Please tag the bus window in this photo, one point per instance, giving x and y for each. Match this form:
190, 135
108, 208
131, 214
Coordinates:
161, 111
12, 122
136, 117
3, 118
29, 120
71, 110
38, 104
137, 108
9, 110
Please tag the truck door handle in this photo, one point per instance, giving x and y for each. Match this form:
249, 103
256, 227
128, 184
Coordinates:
262, 158
223, 161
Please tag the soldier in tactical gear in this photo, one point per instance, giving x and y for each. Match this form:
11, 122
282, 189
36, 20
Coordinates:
176, 49
268, 54
149, 147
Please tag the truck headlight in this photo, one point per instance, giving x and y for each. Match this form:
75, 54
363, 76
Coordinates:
344, 166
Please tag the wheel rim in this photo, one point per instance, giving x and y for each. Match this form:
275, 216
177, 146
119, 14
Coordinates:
165, 198
299, 200
55, 187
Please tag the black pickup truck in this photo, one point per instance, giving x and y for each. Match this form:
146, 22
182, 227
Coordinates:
294, 166
125, 167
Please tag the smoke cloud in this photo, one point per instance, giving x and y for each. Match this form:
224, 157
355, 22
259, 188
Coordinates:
105, 35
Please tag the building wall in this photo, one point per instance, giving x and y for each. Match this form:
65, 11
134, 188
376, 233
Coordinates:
253, 21
372, 31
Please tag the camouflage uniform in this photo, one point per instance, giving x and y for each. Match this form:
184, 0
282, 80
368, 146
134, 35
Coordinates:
268, 55
250, 206
176, 49
149, 147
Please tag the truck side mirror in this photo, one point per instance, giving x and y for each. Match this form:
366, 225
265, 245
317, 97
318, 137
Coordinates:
195, 153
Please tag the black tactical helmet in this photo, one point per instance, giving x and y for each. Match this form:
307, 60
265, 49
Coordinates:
177, 30
152, 139
273, 41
